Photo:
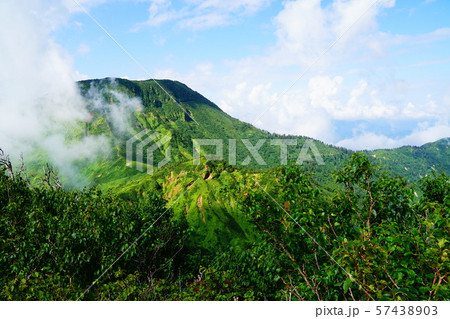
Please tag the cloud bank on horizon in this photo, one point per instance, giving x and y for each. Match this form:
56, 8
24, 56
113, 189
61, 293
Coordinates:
380, 81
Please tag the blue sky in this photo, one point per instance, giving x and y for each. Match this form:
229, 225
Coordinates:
384, 83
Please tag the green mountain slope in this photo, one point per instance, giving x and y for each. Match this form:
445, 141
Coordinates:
368, 221
122, 109
194, 117
216, 222
195, 190
414, 162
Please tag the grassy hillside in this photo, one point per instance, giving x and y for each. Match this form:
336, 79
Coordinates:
224, 231
414, 162
215, 222
371, 239
121, 109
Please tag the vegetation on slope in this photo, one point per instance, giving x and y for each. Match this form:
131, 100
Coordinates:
372, 239
198, 118
227, 231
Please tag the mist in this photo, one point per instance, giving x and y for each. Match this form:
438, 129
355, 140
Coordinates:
111, 103
40, 100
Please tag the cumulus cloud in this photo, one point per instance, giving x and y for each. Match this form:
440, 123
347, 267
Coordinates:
307, 28
355, 80
160, 12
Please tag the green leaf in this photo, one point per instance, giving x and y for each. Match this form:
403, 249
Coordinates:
441, 242
347, 284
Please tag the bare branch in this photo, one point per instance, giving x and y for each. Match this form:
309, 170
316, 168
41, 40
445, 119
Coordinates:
51, 178
5, 161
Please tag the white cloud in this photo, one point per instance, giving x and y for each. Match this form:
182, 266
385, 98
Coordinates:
160, 12
321, 89
77, 76
359, 79
424, 133
247, 6
205, 21
369, 141
347, 103
305, 29
200, 14
39, 96
329, 93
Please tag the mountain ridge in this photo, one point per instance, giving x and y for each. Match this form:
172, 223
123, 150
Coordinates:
121, 108
215, 231
161, 114
216, 222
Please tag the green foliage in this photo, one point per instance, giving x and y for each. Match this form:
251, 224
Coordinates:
371, 240
436, 187
414, 162
216, 223
219, 223
261, 233
54, 244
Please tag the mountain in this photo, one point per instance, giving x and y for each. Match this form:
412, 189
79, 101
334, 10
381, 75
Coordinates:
195, 117
237, 227
190, 116
122, 109
174, 110
414, 162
